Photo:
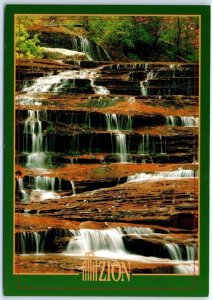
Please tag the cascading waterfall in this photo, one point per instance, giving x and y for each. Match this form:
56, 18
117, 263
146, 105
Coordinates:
99, 90
162, 150
108, 243
162, 175
24, 194
31, 242
171, 121
138, 231
58, 83
174, 251
86, 240
82, 44
36, 157
121, 146
144, 145
33, 128
144, 83
117, 124
45, 188
176, 254
73, 187
65, 81
191, 252
190, 121
182, 121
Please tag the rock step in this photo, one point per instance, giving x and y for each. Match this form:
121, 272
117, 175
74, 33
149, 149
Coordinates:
91, 142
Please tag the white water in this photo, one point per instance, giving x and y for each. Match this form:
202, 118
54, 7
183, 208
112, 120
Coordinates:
109, 244
190, 121
73, 187
99, 90
33, 127
144, 83
27, 100
191, 269
86, 240
171, 121
121, 146
183, 121
58, 83
118, 122
174, 251
24, 195
105, 244
138, 231
82, 44
162, 175
44, 189
36, 157
31, 242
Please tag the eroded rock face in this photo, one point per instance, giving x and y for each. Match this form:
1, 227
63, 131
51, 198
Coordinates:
64, 54
106, 150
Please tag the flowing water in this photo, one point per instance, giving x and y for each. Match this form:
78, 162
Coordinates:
182, 121
162, 175
106, 243
109, 242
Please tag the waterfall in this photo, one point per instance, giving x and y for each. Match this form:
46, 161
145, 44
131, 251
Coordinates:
45, 183
143, 88
138, 231
121, 146
85, 46
190, 121
43, 188
73, 187
108, 243
176, 254
144, 83
99, 90
31, 242
33, 134
161, 145
97, 241
191, 252
65, 82
94, 51
182, 121
33, 128
174, 251
24, 194
144, 145
187, 269
171, 121
162, 175
118, 122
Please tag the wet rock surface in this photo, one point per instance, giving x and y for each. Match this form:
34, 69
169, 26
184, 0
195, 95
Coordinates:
105, 149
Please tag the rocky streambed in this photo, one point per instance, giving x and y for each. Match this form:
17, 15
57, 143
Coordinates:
106, 162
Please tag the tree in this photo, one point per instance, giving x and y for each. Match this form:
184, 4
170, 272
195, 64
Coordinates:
26, 46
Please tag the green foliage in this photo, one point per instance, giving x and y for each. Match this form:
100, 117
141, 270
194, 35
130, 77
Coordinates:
27, 47
113, 32
140, 37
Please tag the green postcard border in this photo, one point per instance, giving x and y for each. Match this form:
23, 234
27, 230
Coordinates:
64, 285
